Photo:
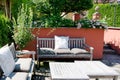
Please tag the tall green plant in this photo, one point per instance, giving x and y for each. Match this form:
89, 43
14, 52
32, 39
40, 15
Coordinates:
22, 32
25, 16
17, 4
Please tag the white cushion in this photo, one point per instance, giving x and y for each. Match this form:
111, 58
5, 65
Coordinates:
7, 62
61, 42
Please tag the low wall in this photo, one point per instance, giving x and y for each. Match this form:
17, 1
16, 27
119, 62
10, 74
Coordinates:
94, 37
112, 37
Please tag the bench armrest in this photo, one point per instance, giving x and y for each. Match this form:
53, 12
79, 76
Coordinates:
91, 49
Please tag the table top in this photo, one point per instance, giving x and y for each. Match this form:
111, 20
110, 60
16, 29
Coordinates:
95, 68
66, 71
80, 70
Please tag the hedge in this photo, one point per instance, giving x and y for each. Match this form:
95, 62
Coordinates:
5, 30
109, 12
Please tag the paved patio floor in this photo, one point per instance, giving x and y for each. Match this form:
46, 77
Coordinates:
112, 60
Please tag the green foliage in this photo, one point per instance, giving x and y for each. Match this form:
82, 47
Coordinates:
107, 13
17, 5
5, 30
86, 23
48, 6
47, 13
25, 16
67, 23
22, 33
22, 36
55, 21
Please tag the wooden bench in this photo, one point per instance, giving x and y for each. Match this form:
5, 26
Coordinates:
74, 45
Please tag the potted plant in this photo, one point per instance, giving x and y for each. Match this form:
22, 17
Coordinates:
22, 36
22, 32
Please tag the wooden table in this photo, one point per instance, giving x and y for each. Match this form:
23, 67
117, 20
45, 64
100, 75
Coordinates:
66, 71
81, 70
96, 69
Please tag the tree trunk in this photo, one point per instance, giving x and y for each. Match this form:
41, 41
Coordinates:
8, 8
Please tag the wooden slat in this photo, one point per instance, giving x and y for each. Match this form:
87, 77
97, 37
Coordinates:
96, 69
72, 43
66, 71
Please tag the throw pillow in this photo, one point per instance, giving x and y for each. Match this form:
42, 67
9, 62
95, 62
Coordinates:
61, 42
7, 62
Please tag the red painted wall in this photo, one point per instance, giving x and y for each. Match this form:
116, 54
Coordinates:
94, 37
112, 37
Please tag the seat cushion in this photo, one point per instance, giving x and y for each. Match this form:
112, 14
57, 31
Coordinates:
47, 51
23, 64
62, 51
78, 51
16, 76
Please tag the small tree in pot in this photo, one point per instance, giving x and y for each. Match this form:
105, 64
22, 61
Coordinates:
22, 32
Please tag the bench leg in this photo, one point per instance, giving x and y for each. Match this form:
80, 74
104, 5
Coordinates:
38, 63
115, 78
96, 79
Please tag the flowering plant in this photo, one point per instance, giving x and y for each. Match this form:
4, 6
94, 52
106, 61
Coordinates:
86, 23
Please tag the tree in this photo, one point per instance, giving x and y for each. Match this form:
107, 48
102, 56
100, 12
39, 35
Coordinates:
16, 6
59, 6
50, 12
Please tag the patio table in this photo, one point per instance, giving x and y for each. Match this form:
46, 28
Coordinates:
97, 69
81, 70
66, 71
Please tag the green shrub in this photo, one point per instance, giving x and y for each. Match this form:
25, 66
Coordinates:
22, 36
48, 13
86, 23
55, 21
107, 12
5, 30
22, 32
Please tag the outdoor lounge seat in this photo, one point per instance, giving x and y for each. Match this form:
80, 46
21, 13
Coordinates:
16, 76
23, 68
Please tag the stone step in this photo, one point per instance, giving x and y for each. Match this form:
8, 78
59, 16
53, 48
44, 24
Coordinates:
107, 46
109, 51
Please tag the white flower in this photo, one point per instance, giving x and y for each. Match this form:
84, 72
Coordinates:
79, 26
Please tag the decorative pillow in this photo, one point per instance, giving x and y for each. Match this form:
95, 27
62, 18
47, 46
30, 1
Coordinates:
7, 62
47, 51
61, 42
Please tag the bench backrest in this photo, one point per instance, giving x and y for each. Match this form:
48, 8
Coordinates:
50, 42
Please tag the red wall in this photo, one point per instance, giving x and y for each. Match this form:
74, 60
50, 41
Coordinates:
94, 37
112, 37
